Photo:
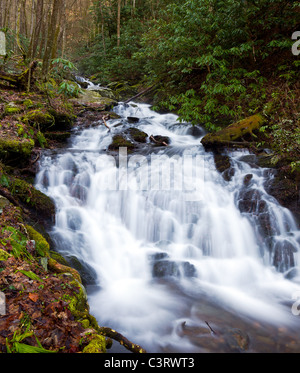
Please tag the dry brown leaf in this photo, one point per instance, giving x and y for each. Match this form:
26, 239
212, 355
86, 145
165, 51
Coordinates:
34, 297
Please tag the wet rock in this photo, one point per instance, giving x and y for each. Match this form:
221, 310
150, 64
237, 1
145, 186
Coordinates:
189, 270
223, 165
160, 140
283, 258
250, 201
249, 158
133, 119
80, 192
195, 131
137, 135
74, 220
83, 84
40, 206
285, 189
164, 268
247, 179
292, 273
87, 273
265, 225
264, 161
237, 340
120, 141
158, 256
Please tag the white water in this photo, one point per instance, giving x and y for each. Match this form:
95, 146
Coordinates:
221, 265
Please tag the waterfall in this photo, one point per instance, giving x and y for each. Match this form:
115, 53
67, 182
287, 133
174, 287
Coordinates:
164, 239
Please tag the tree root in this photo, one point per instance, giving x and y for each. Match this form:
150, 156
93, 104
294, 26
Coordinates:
107, 332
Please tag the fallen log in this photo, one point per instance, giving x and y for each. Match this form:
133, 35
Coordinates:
234, 134
140, 94
20, 80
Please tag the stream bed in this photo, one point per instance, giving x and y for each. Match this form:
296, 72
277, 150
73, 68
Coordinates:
175, 256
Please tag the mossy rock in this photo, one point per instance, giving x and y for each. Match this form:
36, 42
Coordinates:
59, 136
94, 101
58, 258
119, 141
3, 202
28, 103
223, 165
14, 150
107, 92
50, 120
41, 244
35, 200
62, 120
11, 109
137, 135
97, 345
87, 273
60, 268
39, 119
235, 132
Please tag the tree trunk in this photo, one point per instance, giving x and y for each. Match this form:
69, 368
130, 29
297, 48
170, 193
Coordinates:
119, 23
102, 30
38, 10
52, 38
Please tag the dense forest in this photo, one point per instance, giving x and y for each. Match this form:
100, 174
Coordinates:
211, 62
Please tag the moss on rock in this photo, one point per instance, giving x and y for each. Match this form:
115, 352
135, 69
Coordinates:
97, 345
63, 120
12, 149
35, 200
41, 244
137, 135
28, 103
58, 258
3, 202
11, 109
94, 101
60, 268
120, 141
39, 119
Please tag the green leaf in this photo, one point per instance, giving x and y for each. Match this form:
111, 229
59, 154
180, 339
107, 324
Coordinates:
24, 348
31, 275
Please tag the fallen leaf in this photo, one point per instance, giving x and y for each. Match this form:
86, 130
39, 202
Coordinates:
34, 297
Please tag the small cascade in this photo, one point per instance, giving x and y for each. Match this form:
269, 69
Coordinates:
167, 242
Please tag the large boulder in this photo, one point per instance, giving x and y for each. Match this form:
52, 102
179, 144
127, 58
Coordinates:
92, 100
15, 151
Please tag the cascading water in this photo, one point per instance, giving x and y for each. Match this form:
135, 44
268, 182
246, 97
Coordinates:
168, 244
